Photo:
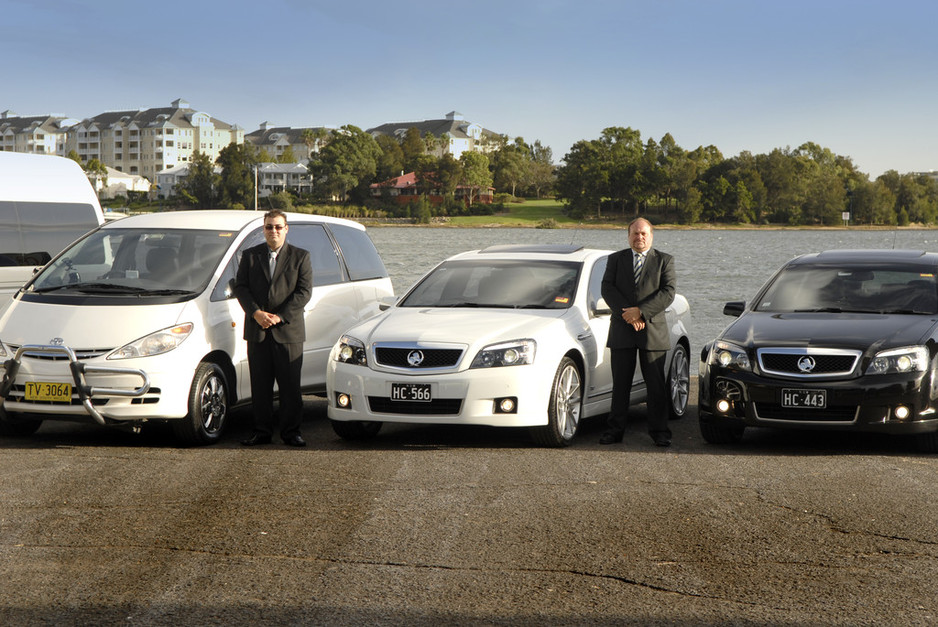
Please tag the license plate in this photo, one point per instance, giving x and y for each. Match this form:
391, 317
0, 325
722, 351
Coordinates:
810, 399
419, 392
47, 391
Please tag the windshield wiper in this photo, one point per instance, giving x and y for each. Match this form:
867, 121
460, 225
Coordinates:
107, 287
91, 287
834, 310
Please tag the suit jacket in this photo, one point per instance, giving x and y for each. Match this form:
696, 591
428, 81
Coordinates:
286, 294
654, 293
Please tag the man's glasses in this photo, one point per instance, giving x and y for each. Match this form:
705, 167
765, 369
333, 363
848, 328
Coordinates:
272, 227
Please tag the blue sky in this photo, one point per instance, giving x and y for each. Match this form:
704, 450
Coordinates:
855, 76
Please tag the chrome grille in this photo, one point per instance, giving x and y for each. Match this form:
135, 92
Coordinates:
804, 363
80, 353
399, 357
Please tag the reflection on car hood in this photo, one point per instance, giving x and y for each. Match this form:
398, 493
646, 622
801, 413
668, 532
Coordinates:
85, 326
461, 326
857, 331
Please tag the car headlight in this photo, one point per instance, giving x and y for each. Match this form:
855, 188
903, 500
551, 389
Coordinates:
154, 344
729, 356
348, 350
514, 353
899, 360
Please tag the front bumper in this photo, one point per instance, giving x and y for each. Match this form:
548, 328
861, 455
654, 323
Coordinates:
108, 394
899, 404
467, 397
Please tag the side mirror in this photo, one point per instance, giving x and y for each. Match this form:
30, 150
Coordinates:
734, 308
386, 302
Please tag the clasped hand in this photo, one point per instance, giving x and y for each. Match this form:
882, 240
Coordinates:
633, 316
266, 320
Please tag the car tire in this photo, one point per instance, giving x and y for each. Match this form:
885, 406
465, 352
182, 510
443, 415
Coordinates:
720, 433
563, 410
679, 383
16, 425
356, 429
208, 407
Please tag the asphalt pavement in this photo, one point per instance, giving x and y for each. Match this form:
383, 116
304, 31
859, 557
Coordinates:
466, 525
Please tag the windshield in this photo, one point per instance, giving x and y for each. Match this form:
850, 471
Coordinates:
136, 261
497, 283
852, 289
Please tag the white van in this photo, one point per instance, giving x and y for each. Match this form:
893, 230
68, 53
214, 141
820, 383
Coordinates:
46, 203
137, 321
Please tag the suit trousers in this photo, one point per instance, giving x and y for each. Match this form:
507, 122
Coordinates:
622, 363
271, 361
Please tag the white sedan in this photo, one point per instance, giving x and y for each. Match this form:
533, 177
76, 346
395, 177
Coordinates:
508, 336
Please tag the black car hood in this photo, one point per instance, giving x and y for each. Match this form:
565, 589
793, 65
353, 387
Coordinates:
858, 331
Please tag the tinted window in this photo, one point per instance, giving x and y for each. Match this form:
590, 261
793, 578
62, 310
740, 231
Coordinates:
31, 233
869, 289
497, 283
596, 282
361, 257
322, 255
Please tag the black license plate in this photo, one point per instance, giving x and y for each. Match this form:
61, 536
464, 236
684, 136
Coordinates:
805, 399
419, 392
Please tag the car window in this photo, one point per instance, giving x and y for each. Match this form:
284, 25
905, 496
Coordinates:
31, 233
322, 255
858, 289
361, 256
497, 283
596, 282
224, 288
137, 261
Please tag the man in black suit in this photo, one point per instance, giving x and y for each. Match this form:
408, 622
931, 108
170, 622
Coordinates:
638, 285
274, 283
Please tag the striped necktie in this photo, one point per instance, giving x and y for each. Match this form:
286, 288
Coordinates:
638, 264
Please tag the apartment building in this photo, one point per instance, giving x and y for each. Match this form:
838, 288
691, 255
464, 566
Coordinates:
458, 135
148, 141
35, 134
276, 140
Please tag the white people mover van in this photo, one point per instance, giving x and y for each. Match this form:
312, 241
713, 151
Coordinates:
46, 203
137, 321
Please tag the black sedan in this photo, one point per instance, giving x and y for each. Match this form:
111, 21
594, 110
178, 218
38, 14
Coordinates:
839, 340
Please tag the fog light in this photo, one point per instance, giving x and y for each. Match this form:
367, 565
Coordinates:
723, 406
507, 405
343, 401
901, 412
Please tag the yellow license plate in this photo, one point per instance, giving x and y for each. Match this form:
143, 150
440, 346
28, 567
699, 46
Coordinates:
47, 391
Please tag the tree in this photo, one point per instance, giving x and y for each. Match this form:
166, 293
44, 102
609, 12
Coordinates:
412, 146
475, 172
199, 186
315, 139
287, 156
582, 180
96, 171
347, 164
391, 161
236, 183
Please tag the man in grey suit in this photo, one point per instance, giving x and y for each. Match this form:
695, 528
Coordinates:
273, 285
638, 285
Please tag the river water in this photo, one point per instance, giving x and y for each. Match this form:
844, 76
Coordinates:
713, 266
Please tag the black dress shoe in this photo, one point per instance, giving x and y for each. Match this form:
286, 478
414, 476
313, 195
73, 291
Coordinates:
610, 438
295, 440
257, 438
662, 441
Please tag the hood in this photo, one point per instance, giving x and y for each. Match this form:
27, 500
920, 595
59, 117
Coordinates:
454, 326
85, 327
855, 331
